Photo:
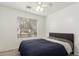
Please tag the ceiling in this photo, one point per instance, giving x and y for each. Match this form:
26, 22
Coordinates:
24, 6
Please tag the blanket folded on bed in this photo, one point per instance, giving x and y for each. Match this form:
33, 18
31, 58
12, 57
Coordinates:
41, 47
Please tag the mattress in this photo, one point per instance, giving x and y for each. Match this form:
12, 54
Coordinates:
41, 47
66, 45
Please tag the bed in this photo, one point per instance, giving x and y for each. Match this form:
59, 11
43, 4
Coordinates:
46, 46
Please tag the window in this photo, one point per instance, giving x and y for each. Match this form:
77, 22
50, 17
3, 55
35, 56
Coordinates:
26, 27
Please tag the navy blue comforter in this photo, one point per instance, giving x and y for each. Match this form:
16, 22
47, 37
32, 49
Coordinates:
41, 47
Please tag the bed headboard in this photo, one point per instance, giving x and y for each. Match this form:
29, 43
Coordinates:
68, 36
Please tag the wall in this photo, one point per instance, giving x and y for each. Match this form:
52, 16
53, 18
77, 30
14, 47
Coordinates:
8, 27
65, 21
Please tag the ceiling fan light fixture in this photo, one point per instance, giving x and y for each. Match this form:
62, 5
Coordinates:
39, 3
38, 8
42, 9
41, 6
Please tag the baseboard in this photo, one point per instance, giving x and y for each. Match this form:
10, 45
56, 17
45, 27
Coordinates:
11, 52
8, 50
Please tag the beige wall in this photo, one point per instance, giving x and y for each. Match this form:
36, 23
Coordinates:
8, 27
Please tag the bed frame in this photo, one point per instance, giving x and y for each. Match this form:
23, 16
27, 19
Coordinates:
68, 36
